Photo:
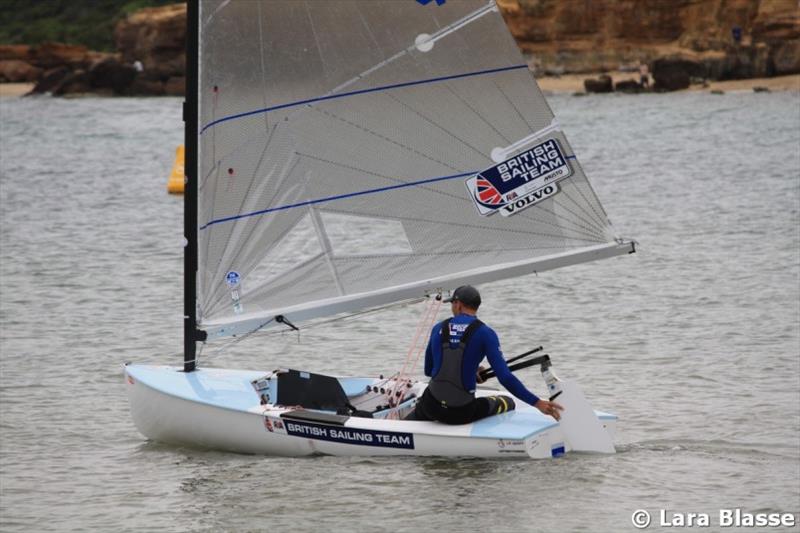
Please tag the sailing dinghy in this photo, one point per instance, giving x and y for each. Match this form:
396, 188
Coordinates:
343, 155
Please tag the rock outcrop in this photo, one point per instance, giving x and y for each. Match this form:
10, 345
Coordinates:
150, 59
155, 38
602, 84
577, 36
680, 41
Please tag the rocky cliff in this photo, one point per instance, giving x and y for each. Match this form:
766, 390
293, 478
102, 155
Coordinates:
149, 61
678, 39
726, 39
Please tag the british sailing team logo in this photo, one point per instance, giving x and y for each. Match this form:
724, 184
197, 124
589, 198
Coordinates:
521, 181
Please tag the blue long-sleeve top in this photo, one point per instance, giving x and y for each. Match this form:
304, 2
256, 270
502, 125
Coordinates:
484, 342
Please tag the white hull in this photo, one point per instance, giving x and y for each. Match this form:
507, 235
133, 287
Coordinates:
219, 409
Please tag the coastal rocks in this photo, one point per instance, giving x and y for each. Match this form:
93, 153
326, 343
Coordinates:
21, 52
601, 84
16, 64
154, 38
110, 73
785, 58
150, 60
18, 71
76, 82
675, 73
51, 80
628, 86
731, 38
50, 55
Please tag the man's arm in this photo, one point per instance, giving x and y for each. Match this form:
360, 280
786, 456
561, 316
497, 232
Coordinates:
429, 352
510, 381
504, 375
428, 359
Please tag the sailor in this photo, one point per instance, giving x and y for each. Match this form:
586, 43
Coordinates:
455, 349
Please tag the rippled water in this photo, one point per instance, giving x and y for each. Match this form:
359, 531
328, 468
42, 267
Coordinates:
693, 341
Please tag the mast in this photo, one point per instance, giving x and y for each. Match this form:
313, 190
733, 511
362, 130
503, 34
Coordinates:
190, 333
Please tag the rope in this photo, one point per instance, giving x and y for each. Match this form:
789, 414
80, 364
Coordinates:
314, 325
415, 350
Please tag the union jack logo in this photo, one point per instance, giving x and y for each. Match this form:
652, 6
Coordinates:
486, 194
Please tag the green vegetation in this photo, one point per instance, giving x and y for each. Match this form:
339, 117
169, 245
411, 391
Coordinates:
87, 22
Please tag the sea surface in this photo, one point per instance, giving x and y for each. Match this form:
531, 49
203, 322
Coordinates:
693, 341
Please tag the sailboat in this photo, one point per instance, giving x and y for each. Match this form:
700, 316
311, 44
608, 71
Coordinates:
344, 155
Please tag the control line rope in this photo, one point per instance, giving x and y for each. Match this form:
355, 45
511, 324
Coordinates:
395, 394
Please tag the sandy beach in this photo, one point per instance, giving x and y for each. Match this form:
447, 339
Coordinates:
573, 83
15, 89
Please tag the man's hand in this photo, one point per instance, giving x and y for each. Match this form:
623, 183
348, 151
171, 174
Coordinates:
481, 370
549, 408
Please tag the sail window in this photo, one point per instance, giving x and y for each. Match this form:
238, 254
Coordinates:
300, 245
358, 235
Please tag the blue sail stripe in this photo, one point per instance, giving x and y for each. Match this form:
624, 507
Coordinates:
362, 91
334, 198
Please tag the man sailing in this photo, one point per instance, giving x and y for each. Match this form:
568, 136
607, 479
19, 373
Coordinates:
455, 349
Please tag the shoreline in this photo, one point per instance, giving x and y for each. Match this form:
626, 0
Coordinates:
15, 89
573, 83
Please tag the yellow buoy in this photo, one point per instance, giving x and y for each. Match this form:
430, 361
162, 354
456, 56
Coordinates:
176, 181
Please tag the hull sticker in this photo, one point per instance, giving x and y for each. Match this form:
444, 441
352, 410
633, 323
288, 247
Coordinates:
363, 437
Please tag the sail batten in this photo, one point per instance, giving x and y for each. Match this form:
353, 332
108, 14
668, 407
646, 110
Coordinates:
355, 151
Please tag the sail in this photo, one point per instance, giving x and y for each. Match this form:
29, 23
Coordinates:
359, 152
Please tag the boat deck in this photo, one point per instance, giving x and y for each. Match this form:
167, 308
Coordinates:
233, 390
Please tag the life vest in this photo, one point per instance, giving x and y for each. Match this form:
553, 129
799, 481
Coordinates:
446, 386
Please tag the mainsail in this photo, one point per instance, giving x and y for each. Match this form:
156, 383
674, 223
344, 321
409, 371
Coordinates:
359, 152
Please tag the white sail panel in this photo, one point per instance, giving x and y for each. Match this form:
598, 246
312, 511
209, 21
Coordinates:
339, 124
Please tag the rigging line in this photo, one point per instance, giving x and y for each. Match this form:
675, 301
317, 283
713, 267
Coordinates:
377, 174
335, 198
591, 215
577, 229
583, 229
602, 216
230, 242
315, 325
592, 225
385, 176
242, 337
361, 91
375, 42
207, 176
214, 298
261, 57
435, 125
415, 219
440, 34
424, 326
480, 116
514, 107
316, 40
207, 236
220, 296
570, 211
586, 232
384, 138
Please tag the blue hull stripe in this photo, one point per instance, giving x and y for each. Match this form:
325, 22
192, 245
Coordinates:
362, 91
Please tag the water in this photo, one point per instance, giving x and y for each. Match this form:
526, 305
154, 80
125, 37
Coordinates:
693, 341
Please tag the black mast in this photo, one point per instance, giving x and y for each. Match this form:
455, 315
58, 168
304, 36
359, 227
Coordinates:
190, 333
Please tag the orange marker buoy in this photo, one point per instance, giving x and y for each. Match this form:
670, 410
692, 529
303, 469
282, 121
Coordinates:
175, 184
